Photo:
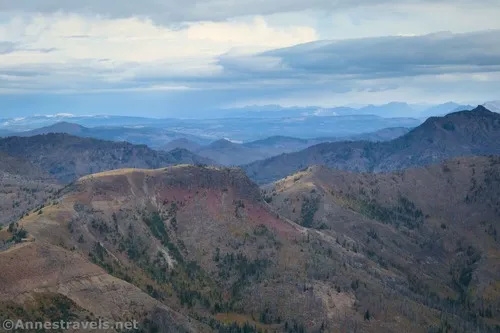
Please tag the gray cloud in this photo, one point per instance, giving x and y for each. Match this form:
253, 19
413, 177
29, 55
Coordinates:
193, 10
374, 58
7, 47
371, 63
10, 47
396, 67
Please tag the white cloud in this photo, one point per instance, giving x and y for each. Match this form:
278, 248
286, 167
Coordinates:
84, 49
218, 47
410, 18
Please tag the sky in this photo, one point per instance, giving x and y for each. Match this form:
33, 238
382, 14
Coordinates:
171, 58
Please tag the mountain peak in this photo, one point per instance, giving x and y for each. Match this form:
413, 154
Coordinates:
60, 127
481, 108
462, 133
222, 143
68, 157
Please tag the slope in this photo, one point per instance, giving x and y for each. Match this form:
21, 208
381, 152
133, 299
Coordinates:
462, 133
435, 227
202, 243
68, 157
23, 187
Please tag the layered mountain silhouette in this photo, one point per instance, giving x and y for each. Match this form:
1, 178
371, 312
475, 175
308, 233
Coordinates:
154, 137
230, 153
463, 133
68, 157
403, 238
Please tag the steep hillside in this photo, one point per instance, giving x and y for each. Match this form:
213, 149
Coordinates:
68, 157
462, 133
435, 227
385, 134
196, 239
203, 244
23, 187
43, 282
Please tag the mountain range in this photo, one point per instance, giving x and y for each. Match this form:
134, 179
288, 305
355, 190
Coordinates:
389, 110
151, 136
158, 132
475, 132
222, 151
68, 157
347, 236
229, 153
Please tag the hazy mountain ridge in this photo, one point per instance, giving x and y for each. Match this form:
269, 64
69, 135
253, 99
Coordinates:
151, 136
181, 143
461, 133
392, 109
493, 106
231, 154
69, 157
157, 132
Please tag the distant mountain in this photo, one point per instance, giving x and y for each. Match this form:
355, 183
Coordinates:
230, 153
61, 127
390, 110
29, 123
69, 157
493, 106
181, 143
385, 134
151, 136
444, 109
276, 112
156, 133
278, 141
462, 133
5, 133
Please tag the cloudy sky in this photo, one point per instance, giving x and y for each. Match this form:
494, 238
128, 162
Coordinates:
163, 58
